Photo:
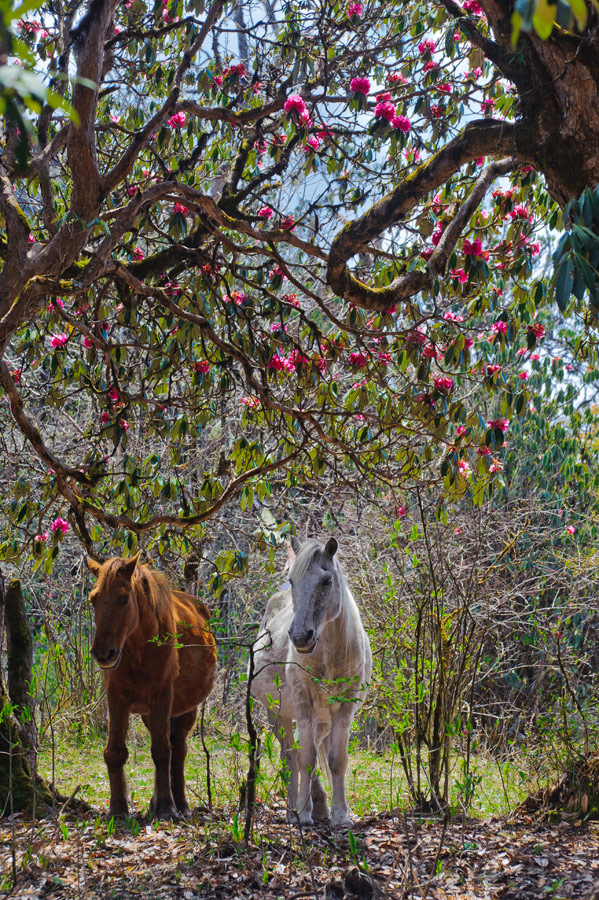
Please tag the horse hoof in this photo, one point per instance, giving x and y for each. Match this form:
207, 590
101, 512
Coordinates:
118, 812
341, 821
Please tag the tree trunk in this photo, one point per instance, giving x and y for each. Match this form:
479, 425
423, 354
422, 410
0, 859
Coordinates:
20, 786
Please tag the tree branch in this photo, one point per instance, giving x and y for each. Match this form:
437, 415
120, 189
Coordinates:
480, 138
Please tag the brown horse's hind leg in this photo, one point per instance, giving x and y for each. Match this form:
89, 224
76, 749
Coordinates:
180, 728
116, 754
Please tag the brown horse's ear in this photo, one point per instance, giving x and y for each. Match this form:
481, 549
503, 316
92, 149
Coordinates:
331, 547
93, 566
128, 567
295, 544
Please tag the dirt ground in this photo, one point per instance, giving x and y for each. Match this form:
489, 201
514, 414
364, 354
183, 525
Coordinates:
394, 856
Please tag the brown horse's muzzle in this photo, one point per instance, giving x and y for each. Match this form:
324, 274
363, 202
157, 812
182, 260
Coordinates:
107, 659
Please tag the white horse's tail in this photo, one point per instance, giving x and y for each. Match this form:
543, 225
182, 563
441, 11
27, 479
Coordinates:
323, 758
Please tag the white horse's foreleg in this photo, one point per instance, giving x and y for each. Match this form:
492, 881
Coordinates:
339, 740
307, 768
283, 728
320, 803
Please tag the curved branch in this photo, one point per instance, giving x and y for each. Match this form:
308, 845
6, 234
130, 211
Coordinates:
509, 63
484, 137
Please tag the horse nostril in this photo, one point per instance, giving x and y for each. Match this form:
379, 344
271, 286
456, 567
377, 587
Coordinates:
309, 636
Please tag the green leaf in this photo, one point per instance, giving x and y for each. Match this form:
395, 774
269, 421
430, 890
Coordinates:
563, 284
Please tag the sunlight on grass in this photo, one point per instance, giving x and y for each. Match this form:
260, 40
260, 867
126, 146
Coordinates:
375, 782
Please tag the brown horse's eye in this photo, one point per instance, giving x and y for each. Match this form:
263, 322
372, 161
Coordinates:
123, 600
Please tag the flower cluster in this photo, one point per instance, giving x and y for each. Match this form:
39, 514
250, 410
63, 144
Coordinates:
176, 121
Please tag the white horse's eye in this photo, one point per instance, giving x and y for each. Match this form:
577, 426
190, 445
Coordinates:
327, 581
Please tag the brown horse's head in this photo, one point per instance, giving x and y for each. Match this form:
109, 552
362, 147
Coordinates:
115, 611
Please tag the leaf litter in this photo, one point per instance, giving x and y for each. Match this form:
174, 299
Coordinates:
87, 855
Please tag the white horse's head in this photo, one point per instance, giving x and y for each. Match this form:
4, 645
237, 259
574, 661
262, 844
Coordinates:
316, 591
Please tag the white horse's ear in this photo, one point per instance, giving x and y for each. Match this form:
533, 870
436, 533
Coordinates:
295, 544
331, 547
93, 566
290, 556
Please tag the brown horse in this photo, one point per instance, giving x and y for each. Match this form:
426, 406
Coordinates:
159, 660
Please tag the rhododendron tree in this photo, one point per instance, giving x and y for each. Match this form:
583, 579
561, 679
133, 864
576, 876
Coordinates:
235, 223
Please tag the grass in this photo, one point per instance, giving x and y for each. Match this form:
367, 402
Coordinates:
375, 782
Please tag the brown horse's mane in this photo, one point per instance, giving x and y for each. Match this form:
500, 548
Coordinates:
149, 587
153, 587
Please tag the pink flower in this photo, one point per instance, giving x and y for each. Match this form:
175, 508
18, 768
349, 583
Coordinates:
385, 110
176, 121
59, 340
493, 369
401, 511
479, 162
125, 425
295, 103
16, 375
355, 9
460, 275
276, 272
443, 384
41, 537
31, 239
464, 468
312, 143
138, 253
501, 424
401, 122
87, 343
292, 299
445, 88
201, 366
288, 223
250, 402
523, 376
56, 302
499, 327
473, 249
113, 394
266, 212
570, 529
537, 329
236, 71
436, 111
360, 85
59, 525
105, 417
179, 208
460, 430
426, 46
488, 104
115, 119
357, 359
473, 7
396, 77
483, 451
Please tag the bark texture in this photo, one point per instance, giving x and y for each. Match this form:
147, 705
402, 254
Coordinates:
20, 786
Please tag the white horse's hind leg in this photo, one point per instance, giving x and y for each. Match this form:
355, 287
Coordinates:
338, 764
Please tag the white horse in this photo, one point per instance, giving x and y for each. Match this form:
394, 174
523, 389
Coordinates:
312, 666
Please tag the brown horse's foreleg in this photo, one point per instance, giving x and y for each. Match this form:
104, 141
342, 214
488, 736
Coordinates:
116, 753
158, 723
180, 728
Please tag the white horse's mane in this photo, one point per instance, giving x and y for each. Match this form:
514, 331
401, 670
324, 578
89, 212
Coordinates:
349, 619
